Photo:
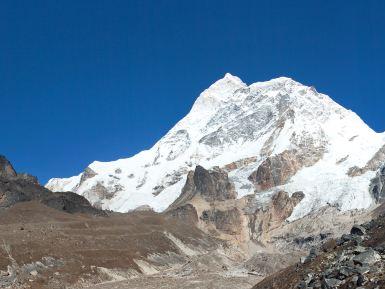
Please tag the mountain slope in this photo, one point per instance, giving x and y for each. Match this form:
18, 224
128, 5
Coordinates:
269, 136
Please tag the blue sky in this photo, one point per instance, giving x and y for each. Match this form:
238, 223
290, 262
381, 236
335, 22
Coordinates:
100, 80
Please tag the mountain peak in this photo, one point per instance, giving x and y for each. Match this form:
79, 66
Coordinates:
238, 126
229, 77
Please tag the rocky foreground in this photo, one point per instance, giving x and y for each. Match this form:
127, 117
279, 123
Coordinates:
355, 260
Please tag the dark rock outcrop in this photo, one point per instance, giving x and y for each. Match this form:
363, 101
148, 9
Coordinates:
211, 185
15, 188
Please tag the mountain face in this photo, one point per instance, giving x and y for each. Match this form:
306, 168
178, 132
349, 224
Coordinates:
268, 137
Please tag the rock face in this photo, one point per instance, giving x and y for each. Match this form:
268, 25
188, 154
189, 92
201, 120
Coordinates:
277, 170
208, 200
6, 169
264, 219
377, 187
211, 185
16, 188
269, 136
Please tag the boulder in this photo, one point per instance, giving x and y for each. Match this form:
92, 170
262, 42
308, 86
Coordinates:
358, 230
368, 257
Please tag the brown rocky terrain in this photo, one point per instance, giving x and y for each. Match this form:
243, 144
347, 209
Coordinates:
43, 247
56, 240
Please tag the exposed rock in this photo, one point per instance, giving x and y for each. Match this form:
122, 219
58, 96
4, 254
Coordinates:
101, 192
157, 190
213, 185
187, 213
6, 169
71, 203
15, 188
208, 200
377, 186
264, 219
28, 178
277, 170
227, 221
239, 164
169, 180
87, 174
368, 257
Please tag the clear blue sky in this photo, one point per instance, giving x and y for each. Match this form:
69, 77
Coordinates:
100, 80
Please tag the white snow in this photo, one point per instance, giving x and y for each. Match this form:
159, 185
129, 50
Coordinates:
230, 121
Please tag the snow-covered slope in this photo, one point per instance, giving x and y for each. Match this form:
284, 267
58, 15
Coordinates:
237, 126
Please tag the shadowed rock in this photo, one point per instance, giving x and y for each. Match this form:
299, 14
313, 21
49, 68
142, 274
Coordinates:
15, 188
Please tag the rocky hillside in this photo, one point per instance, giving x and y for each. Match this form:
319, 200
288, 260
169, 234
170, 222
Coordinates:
355, 260
271, 136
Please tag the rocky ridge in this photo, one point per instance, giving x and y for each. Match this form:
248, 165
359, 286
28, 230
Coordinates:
16, 188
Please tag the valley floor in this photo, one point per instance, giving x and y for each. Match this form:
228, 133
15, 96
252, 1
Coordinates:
42, 247
200, 281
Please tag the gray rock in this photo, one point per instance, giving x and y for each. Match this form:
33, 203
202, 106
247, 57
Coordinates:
331, 283
346, 271
363, 269
368, 257
359, 249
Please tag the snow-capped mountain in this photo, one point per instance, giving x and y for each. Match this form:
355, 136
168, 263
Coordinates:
271, 135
